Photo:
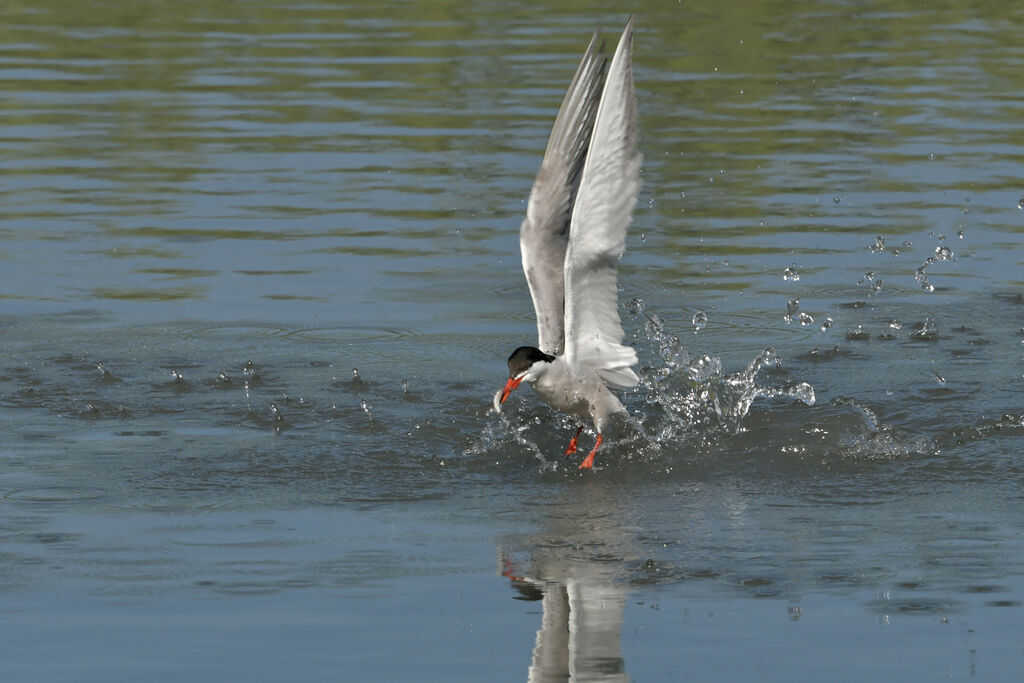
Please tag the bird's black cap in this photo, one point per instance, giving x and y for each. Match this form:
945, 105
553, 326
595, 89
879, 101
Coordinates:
525, 356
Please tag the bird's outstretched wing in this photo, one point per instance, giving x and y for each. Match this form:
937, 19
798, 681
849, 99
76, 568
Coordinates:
601, 214
544, 234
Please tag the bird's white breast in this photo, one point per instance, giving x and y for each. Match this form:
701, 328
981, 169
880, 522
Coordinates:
577, 391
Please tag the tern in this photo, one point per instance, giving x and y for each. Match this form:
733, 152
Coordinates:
571, 241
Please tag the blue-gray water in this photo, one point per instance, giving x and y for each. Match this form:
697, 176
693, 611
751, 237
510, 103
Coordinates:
212, 213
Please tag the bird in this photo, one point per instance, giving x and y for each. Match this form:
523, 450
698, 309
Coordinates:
572, 238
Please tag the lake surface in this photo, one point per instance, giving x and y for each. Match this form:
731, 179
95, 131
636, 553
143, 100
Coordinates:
260, 276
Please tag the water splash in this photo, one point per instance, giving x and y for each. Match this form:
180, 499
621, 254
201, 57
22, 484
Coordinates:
679, 397
942, 253
250, 372
685, 394
922, 277
858, 333
880, 442
791, 274
793, 313
106, 377
925, 331
792, 309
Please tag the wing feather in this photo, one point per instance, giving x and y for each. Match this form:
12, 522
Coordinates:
603, 209
544, 234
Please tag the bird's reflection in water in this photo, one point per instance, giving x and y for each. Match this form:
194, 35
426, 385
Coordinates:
576, 570
581, 633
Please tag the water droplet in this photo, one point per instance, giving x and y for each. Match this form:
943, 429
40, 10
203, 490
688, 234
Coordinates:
700, 321
960, 234
277, 417
366, 408
826, 324
805, 319
895, 325
943, 253
636, 306
791, 274
926, 331
876, 288
704, 368
792, 308
858, 333
836, 200
931, 155
938, 378
405, 386
879, 246
1020, 204
804, 392
643, 237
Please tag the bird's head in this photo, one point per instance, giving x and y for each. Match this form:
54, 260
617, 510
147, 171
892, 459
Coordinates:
526, 363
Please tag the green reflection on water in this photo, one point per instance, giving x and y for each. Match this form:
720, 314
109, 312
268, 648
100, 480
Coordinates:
134, 126
164, 294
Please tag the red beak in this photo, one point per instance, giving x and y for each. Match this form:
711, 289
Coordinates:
512, 383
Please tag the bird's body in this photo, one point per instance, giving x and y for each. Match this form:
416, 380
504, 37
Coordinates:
578, 392
571, 240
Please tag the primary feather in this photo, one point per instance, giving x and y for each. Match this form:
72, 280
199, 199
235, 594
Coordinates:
544, 234
601, 213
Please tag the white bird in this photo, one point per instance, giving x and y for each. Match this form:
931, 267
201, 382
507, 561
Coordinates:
571, 240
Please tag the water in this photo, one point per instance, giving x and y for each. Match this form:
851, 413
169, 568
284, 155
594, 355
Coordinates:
260, 278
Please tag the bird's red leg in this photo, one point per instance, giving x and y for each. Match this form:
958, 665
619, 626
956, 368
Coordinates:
509, 567
572, 444
588, 461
